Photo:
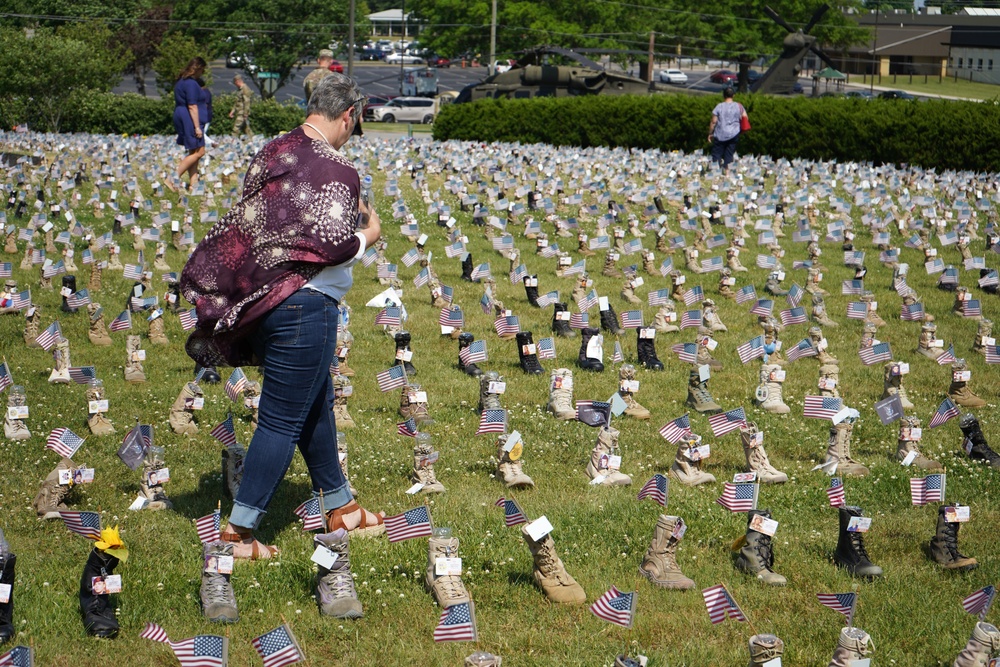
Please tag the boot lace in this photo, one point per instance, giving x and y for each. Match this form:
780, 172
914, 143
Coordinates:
763, 549
548, 562
218, 590
858, 542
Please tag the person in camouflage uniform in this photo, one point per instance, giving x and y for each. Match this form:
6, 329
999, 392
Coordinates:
322, 71
240, 112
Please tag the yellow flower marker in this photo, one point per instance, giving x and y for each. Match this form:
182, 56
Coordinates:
111, 544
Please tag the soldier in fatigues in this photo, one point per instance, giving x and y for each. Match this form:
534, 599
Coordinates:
240, 112
322, 71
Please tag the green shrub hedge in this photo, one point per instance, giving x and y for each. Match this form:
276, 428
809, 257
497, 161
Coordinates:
941, 134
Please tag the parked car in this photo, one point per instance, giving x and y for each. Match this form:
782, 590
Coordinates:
753, 76
335, 66
371, 54
397, 58
407, 110
859, 94
673, 76
723, 76
895, 95
375, 102
434, 60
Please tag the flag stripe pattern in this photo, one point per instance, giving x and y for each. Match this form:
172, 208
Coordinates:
655, 489
979, 602
85, 524
947, 410
615, 607
277, 648
839, 602
391, 379
721, 605
457, 624
311, 514
225, 432
208, 527
836, 493
727, 422
822, 407
928, 489
413, 523
154, 632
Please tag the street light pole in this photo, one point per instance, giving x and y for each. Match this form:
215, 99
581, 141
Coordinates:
350, 39
876, 64
493, 40
402, 43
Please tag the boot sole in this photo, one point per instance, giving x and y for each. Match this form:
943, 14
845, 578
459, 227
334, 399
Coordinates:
668, 585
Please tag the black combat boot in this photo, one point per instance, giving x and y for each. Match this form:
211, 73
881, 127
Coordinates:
528, 354
850, 553
560, 321
531, 290
585, 362
98, 615
402, 346
465, 340
646, 349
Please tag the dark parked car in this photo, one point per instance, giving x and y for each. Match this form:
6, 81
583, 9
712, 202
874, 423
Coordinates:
858, 94
371, 54
753, 76
723, 76
896, 95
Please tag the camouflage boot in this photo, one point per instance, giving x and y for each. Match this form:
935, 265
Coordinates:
549, 572
627, 386
133, 363
959, 390
820, 343
610, 270
341, 390
839, 450
659, 565
424, 457
944, 545
726, 283
418, 404
97, 333
756, 456
852, 645
489, 398
182, 411
983, 645
983, 335
48, 502
156, 332
510, 464
601, 468
686, 467
561, 394
819, 315
892, 382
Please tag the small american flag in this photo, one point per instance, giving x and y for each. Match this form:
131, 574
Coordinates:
993, 354
836, 493
202, 651
5, 379
991, 279
492, 421
502, 243
85, 524
840, 602
588, 301
21, 300
804, 348
720, 605
512, 514
457, 624
83, 374
978, 604
577, 269
63, 442
486, 303
666, 267
593, 413
47, 339
854, 258
133, 271
56, 269
794, 295
928, 489
235, 384
518, 274
766, 261
616, 607
631, 319
423, 277
617, 356
972, 308
857, 310
727, 422
24, 234
793, 316
632, 247
188, 319
448, 294
369, 257
392, 378
600, 243
762, 307
711, 264
912, 313
410, 257
121, 323
452, 317
547, 348
409, 524
388, 316
481, 271
208, 527
875, 354
154, 632
19, 656
746, 293
658, 298
656, 489
691, 318
822, 407
675, 430
686, 352
694, 295
387, 271
750, 350
311, 514
225, 432
855, 287
547, 299
947, 410
278, 647
739, 497
507, 325
948, 357
474, 353
407, 428
78, 299
579, 320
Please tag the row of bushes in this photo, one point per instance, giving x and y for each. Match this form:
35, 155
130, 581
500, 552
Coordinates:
939, 134
108, 113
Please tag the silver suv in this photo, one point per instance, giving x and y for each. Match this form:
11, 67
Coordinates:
407, 110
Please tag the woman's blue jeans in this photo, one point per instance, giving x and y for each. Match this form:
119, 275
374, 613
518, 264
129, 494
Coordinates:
297, 341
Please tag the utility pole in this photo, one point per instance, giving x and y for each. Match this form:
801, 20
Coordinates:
493, 40
350, 39
649, 68
402, 43
876, 61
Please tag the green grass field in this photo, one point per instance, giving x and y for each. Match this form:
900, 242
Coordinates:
913, 614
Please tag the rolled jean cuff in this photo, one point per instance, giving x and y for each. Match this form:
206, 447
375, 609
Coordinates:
245, 516
337, 498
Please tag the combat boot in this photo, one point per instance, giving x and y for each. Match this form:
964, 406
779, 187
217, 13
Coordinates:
756, 556
341, 390
974, 442
645, 347
417, 400
659, 565
983, 334
560, 321
582, 248
648, 264
868, 335
48, 501
829, 379
465, 340
580, 289
549, 572
962, 295
686, 467
773, 286
691, 259
711, 317
765, 648
852, 645
182, 411
698, 397
95, 282
664, 319
733, 260
768, 396
133, 365
628, 293
703, 356
609, 321
561, 394
726, 282
232, 469
819, 342
489, 400
335, 590
757, 461
97, 422
627, 386
944, 545
510, 465
983, 645
531, 290
346, 339
99, 618
14, 428
907, 443
892, 382
591, 360
813, 281
610, 270
31, 320
218, 603
528, 353
839, 450
97, 333
851, 554
156, 331
467, 267
7, 563
60, 363
599, 466
959, 391
423, 465
151, 488
927, 344
447, 589
402, 347
819, 312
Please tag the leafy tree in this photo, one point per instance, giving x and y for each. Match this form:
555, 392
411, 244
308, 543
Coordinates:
176, 51
142, 36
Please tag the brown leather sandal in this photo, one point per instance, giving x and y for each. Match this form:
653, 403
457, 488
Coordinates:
258, 550
335, 520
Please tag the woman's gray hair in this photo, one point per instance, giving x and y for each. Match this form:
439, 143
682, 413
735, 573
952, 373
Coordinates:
334, 95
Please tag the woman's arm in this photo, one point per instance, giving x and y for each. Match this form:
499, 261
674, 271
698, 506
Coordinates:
193, 110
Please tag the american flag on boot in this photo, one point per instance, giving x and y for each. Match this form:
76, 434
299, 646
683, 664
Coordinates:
631, 319
632, 247
804, 348
547, 348
48, 338
928, 489
392, 378
235, 384
822, 407
448, 294
410, 257
947, 357
857, 310
686, 352
840, 602
78, 299
507, 325
278, 647
492, 421
741, 497
452, 317
972, 308
85, 524
83, 374
618, 357
422, 278
666, 267
694, 295
38, 257
502, 243
762, 307
655, 489
21, 300
5, 378
388, 316
132, 272
408, 525
369, 257
912, 313
794, 295
475, 353
63, 442
225, 432
766, 261
518, 274
121, 323
457, 624
978, 604
387, 271
947, 410
711, 264
202, 651
658, 298
835, 493
854, 287
875, 354
793, 316
588, 301
691, 318
512, 514
311, 514
993, 354
676, 429
616, 607
991, 279
745, 294
720, 605
727, 422
407, 428
577, 269
188, 319
56, 269
750, 350
208, 527
481, 271
547, 299
579, 320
